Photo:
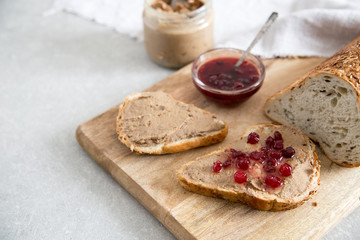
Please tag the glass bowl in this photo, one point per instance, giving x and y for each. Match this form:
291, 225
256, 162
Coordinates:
215, 76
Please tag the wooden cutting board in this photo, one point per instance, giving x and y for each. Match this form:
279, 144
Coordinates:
152, 179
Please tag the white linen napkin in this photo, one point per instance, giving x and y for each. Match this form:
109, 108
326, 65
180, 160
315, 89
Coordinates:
304, 28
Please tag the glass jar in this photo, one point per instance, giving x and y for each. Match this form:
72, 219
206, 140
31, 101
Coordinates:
173, 39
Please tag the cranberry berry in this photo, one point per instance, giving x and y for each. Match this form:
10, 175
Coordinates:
269, 142
235, 153
270, 165
264, 157
273, 181
227, 163
256, 155
242, 163
240, 177
265, 149
276, 154
253, 138
278, 144
269, 168
277, 135
285, 170
288, 152
217, 166
272, 162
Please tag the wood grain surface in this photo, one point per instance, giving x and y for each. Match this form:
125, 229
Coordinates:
152, 179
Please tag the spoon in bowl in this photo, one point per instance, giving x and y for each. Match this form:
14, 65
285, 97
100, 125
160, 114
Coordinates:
262, 31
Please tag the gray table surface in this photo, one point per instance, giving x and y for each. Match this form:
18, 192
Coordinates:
55, 73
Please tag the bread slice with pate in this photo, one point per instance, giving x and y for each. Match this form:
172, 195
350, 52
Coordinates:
325, 105
156, 123
272, 167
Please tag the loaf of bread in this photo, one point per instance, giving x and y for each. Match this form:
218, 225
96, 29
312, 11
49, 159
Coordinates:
200, 177
156, 123
325, 105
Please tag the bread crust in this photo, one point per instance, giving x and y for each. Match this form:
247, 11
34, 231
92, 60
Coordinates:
276, 204
344, 64
172, 147
348, 165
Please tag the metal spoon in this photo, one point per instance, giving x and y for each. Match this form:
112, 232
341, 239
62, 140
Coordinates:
262, 31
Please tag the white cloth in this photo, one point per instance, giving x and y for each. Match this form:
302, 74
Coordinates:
303, 28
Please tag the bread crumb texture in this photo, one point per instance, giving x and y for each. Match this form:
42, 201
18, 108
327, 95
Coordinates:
324, 104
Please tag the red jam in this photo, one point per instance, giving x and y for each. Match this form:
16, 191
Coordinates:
271, 159
242, 163
221, 74
253, 138
288, 152
273, 181
285, 170
217, 166
240, 177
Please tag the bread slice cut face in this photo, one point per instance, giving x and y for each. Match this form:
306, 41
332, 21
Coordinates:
156, 123
200, 177
326, 108
325, 105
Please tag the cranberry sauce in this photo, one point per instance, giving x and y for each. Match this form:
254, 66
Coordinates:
268, 163
221, 74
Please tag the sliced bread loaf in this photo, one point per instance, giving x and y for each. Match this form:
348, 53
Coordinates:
156, 123
325, 105
269, 184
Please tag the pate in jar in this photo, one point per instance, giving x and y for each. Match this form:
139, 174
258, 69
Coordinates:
175, 36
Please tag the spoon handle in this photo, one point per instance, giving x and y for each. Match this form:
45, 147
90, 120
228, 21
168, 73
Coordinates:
262, 31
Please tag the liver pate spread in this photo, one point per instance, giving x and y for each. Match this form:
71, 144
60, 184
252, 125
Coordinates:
157, 118
294, 186
175, 36
179, 7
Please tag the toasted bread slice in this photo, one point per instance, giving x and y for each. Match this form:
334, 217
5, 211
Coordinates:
199, 177
156, 123
325, 105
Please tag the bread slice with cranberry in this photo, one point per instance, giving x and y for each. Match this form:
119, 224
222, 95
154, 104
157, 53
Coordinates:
272, 167
156, 123
325, 105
